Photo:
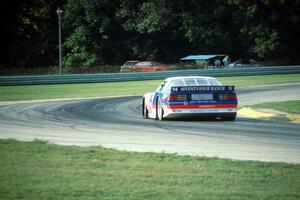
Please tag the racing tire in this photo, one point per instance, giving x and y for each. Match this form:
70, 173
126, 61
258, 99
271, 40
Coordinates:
229, 117
159, 111
145, 111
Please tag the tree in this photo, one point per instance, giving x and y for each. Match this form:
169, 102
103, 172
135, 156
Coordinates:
91, 33
154, 29
269, 27
97, 32
29, 27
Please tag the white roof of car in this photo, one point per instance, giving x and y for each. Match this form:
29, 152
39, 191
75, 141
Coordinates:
191, 81
183, 77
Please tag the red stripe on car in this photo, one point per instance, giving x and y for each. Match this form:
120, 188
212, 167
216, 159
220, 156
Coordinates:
197, 106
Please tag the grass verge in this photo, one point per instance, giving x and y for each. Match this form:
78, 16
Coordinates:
34, 92
286, 106
36, 170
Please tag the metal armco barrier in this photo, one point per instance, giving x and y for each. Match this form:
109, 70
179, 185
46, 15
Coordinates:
135, 76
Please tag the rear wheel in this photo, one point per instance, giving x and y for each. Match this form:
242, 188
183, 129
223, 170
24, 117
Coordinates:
229, 117
159, 111
144, 109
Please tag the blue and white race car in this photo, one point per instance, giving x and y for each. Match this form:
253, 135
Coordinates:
190, 96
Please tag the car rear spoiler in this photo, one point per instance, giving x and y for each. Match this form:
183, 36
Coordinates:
202, 89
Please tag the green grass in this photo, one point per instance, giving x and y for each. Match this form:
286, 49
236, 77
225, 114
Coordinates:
33, 92
286, 106
36, 170
244, 81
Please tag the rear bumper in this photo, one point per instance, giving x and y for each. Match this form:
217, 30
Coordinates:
213, 112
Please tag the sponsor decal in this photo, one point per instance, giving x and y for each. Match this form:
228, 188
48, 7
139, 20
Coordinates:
208, 110
190, 89
203, 106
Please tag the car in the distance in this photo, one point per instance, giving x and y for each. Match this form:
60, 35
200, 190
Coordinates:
190, 96
149, 66
127, 66
244, 63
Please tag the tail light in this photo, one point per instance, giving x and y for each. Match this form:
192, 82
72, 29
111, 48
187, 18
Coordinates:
177, 97
227, 96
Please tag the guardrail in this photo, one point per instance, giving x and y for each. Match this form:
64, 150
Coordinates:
134, 76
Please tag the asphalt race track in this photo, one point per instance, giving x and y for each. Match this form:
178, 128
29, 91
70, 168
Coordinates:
117, 123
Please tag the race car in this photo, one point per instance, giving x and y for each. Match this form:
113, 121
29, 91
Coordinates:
149, 66
190, 96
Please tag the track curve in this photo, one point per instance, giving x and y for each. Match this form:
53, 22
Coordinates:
117, 123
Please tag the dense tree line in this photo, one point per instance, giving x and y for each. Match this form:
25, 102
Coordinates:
29, 33
97, 32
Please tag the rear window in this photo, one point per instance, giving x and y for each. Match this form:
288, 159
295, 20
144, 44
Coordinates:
128, 63
166, 87
214, 82
194, 82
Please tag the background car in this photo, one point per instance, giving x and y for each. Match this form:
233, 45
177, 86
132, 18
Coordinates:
244, 63
190, 96
149, 66
127, 66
